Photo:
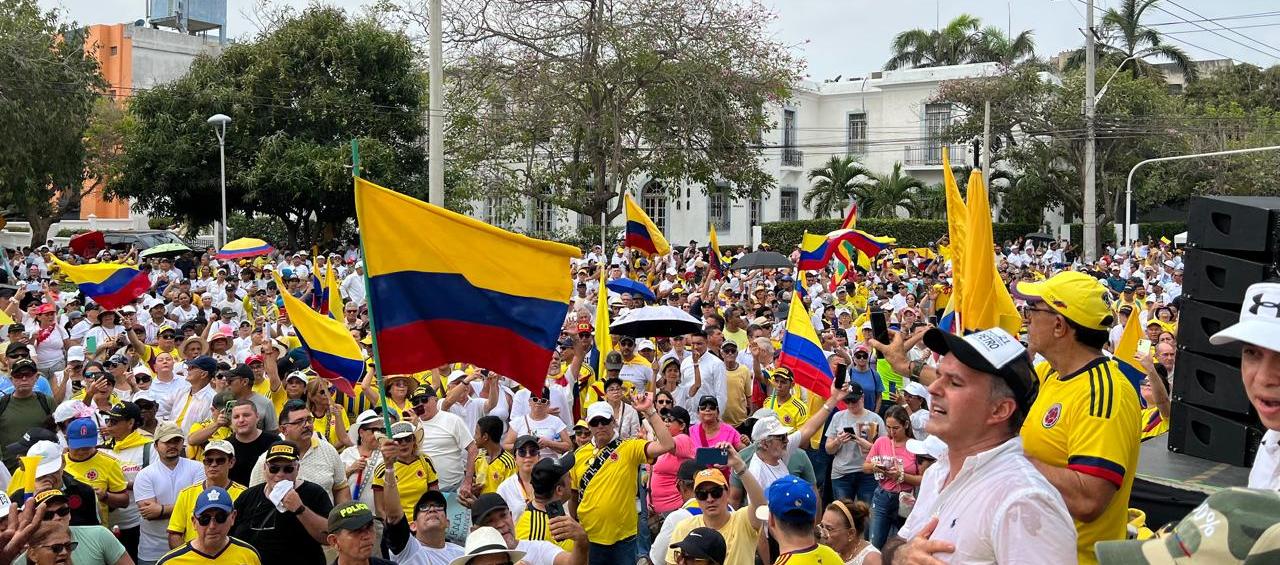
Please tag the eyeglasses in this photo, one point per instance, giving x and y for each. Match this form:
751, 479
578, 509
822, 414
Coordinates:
861, 356
1026, 312
215, 461
168, 336
613, 389
62, 511
406, 439
300, 422
432, 509
712, 493
528, 452
214, 516
62, 547
682, 558
286, 469
662, 402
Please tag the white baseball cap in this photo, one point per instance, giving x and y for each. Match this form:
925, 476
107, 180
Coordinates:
50, 457
930, 446
767, 426
75, 353
599, 410
1259, 319
916, 389
643, 344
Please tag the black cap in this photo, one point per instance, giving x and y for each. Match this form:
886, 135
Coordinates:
423, 392
708, 399
525, 440
703, 543
547, 473
124, 411
22, 365
430, 496
678, 413
993, 352
854, 393
29, 439
688, 468
14, 328
15, 346
484, 505
241, 371
282, 449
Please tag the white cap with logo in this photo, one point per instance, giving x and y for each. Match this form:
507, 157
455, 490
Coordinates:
1259, 318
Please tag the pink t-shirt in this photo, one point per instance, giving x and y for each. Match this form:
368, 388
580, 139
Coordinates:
884, 449
725, 434
662, 486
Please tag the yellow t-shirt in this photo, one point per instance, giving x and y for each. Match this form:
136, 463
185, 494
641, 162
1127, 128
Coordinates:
490, 474
1088, 422
185, 506
1152, 424
739, 337
196, 452
793, 412
739, 536
102, 471
263, 387
607, 510
328, 429
815, 555
149, 353
533, 525
235, 553
412, 480
738, 382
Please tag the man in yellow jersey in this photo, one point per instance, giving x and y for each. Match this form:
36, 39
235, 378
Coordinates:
550, 482
95, 467
212, 518
1082, 430
605, 475
791, 510
218, 458
740, 528
792, 410
493, 464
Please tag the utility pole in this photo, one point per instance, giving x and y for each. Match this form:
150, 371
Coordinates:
1090, 169
986, 142
435, 112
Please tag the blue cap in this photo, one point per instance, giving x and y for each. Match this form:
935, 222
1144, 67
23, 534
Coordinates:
213, 498
81, 433
204, 362
790, 500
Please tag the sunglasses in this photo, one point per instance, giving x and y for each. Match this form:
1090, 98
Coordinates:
142, 379
18, 355
860, 356
663, 402
62, 547
406, 439
420, 409
215, 516
168, 336
538, 400
712, 493
63, 511
431, 509
527, 452
286, 469
597, 422
582, 433
214, 461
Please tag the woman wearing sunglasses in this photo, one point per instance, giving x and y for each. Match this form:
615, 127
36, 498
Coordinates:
51, 545
89, 545
550, 430
663, 495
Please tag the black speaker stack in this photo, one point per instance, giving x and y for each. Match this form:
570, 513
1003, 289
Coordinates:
1232, 242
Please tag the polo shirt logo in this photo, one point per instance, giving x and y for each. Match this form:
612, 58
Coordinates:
1052, 415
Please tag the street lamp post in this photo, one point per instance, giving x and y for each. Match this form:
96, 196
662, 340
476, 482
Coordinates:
219, 123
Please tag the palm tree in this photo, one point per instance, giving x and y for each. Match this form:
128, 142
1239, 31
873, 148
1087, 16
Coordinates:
879, 196
832, 185
1125, 37
963, 40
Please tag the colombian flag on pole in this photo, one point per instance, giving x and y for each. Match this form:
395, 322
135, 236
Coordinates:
111, 285
802, 352
815, 252
333, 296
467, 292
865, 243
334, 354
713, 253
642, 234
1126, 354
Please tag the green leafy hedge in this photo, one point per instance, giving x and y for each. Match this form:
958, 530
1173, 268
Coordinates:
909, 232
69, 232
1161, 229
1107, 234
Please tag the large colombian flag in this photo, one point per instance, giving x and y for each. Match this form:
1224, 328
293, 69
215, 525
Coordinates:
111, 285
1126, 354
642, 233
802, 352
334, 354
444, 288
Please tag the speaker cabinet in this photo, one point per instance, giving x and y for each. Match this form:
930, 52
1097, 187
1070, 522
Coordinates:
1244, 225
1208, 435
1210, 383
1222, 279
1198, 321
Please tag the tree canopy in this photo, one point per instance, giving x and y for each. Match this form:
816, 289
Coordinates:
962, 40
296, 95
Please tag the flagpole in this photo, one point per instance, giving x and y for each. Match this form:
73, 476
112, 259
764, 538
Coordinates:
368, 301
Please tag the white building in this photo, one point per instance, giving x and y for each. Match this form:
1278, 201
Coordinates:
884, 118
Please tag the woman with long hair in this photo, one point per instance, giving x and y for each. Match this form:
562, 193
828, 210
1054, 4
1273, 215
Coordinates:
664, 497
895, 470
331, 420
844, 529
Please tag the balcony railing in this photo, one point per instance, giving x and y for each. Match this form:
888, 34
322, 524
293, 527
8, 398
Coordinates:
930, 155
792, 157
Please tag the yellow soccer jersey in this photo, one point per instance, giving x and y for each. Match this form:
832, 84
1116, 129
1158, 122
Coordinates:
102, 471
607, 509
236, 552
816, 555
185, 506
1088, 422
533, 525
412, 479
327, 428
149, 353
490, 474
793, 412
196, 452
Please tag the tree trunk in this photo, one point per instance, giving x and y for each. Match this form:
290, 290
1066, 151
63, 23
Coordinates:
39, 228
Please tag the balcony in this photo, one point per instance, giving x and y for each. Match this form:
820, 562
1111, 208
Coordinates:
930, 155
792, 158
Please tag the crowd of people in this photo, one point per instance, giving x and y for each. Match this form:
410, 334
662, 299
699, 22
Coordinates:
188, 426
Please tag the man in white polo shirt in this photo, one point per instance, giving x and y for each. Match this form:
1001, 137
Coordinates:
1259, 332
983, 501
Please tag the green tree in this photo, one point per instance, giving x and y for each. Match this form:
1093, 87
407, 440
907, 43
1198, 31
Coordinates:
962, 40
296, 95
832, 186
1125, 37
880, 195
571, 101
48, 85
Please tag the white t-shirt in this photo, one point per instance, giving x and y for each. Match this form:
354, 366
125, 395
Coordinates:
1265, 473
50, 352
445, 439
417, 554
549, 427
163, 484
538, 552
765, 473
511, 491
997, 509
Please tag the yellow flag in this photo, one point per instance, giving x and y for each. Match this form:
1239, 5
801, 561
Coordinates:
603, 344
956, 220
986, 302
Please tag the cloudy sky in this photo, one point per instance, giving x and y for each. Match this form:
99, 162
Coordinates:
851, 37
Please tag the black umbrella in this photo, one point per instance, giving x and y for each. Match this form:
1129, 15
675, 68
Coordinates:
655, 321
1040, 236
762, 260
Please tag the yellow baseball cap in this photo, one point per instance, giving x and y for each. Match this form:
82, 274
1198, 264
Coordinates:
709, 476
1077, 296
